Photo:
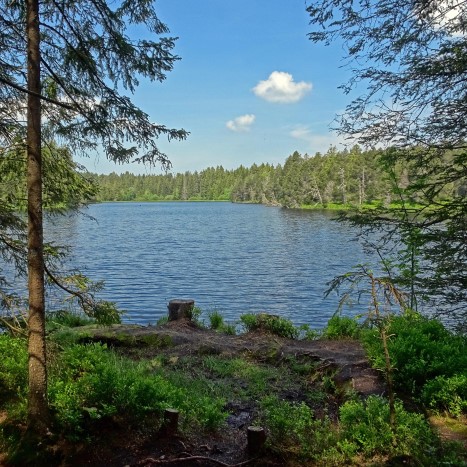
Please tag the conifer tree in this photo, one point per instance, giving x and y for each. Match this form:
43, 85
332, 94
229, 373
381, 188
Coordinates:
66, 70
410, 60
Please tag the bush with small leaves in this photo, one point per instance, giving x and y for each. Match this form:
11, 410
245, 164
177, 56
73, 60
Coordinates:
90, 382
13, 365
276, 325
447, 394
293, 429
365, 425
421, 350
216, 320
341, 327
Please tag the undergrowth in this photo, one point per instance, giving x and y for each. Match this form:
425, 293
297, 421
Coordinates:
430, 362
289, 396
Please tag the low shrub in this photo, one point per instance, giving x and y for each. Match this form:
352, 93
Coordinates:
307, 333
341, 327
195, 315
90, 382
216, 320
13, 366
447, 394
69, 319
423, 352
365, 429
293, 429
276, 325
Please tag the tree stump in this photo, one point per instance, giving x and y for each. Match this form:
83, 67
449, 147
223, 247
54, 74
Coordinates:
180, 309
170, 423
256, 438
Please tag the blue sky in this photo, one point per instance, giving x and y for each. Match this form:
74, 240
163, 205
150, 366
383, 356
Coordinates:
250, 87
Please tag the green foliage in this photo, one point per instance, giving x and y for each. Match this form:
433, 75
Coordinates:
13, 366
81, 292
195, 315
229, 328
105, 313
447, 393
307, 333
301, 181
269, 323
293, 429
89, 382
66, 184
365, 429
162, 320
259, 378
421, 349
216, 320
68, 319
425, 355
341, 327
249, 322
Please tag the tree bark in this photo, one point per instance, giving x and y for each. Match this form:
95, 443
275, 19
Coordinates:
37, 402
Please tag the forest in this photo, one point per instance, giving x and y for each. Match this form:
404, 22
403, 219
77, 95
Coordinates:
353, 177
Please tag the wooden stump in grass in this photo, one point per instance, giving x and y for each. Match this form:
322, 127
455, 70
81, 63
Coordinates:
170, 423
256, 438
179, 309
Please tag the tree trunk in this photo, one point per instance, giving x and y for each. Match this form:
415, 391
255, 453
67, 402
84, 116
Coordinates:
37, 403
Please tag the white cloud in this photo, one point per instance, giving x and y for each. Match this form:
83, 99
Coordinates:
316, 142
242, 123
280, 87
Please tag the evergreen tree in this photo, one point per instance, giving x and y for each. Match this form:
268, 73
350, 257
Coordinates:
412, 55
67, 64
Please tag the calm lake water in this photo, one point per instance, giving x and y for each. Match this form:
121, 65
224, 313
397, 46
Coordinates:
235, 258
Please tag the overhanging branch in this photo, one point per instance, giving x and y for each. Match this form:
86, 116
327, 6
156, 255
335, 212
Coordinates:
42, 97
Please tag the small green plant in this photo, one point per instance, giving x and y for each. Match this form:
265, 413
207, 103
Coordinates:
162, 320
105, 313
216, 320
13, 366
341, 327
276, 325
249, 322
307, 333
229, 328
67, 318
257, 377
366, 429
447, 394
195, 315
293, 429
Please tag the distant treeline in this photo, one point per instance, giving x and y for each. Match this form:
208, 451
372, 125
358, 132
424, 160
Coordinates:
348, 177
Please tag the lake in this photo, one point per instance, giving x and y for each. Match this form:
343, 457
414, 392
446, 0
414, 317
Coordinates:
235, 258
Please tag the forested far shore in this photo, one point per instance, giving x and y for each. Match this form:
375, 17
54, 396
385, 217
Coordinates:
349, 177
352, 177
